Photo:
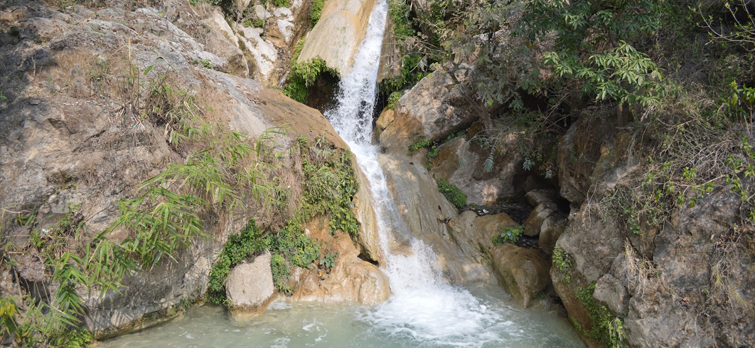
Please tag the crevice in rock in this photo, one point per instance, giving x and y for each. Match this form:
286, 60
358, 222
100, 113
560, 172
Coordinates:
364, 257
322, 94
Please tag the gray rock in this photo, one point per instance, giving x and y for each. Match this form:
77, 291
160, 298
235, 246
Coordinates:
261, 13
611, 293
250, 286
431, 110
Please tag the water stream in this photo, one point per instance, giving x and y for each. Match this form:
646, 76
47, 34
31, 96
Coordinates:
423, 311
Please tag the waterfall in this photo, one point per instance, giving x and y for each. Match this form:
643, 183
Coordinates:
422, 307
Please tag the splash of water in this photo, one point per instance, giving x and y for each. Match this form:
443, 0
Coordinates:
422, 308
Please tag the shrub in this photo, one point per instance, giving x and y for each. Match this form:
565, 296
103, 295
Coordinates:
452, 193
302, 76
393, 99
315, 12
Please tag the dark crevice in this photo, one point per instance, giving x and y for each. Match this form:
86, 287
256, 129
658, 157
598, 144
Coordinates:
364, 257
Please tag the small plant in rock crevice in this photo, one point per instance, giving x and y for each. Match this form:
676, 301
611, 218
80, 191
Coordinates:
328, 262
606, 327
563, 262
509, 235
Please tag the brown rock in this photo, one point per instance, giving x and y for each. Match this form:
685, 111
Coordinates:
552, 228
534, 222
351, 280
522, 272
385, 119
338, 34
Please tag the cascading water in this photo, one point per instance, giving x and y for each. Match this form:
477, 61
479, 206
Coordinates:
422, 309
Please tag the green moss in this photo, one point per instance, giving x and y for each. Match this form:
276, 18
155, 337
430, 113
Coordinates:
411, 73
420, 144
238, 247
393, 99
330, 184
452, 193
281, 3
399, 11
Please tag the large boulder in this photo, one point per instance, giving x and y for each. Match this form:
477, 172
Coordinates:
658, 300
250, 288
431, 110
338, 34
522, 272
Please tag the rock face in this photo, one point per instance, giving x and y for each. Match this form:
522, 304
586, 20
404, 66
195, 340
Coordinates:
249, 287
431, 110
421, 213
71, 141
462, 163
338, 34
658, 281
350, 280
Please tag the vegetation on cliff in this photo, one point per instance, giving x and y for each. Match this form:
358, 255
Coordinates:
674, 80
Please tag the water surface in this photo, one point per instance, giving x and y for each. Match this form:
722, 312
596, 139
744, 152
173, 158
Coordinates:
390, 324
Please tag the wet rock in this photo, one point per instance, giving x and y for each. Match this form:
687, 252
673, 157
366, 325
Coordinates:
422, 213
369, 238
250, 287
522, 272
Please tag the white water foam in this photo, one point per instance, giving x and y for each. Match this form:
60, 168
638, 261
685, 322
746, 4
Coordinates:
422, 309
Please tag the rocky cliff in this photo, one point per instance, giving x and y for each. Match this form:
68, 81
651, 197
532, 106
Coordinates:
629, 271
96, 99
